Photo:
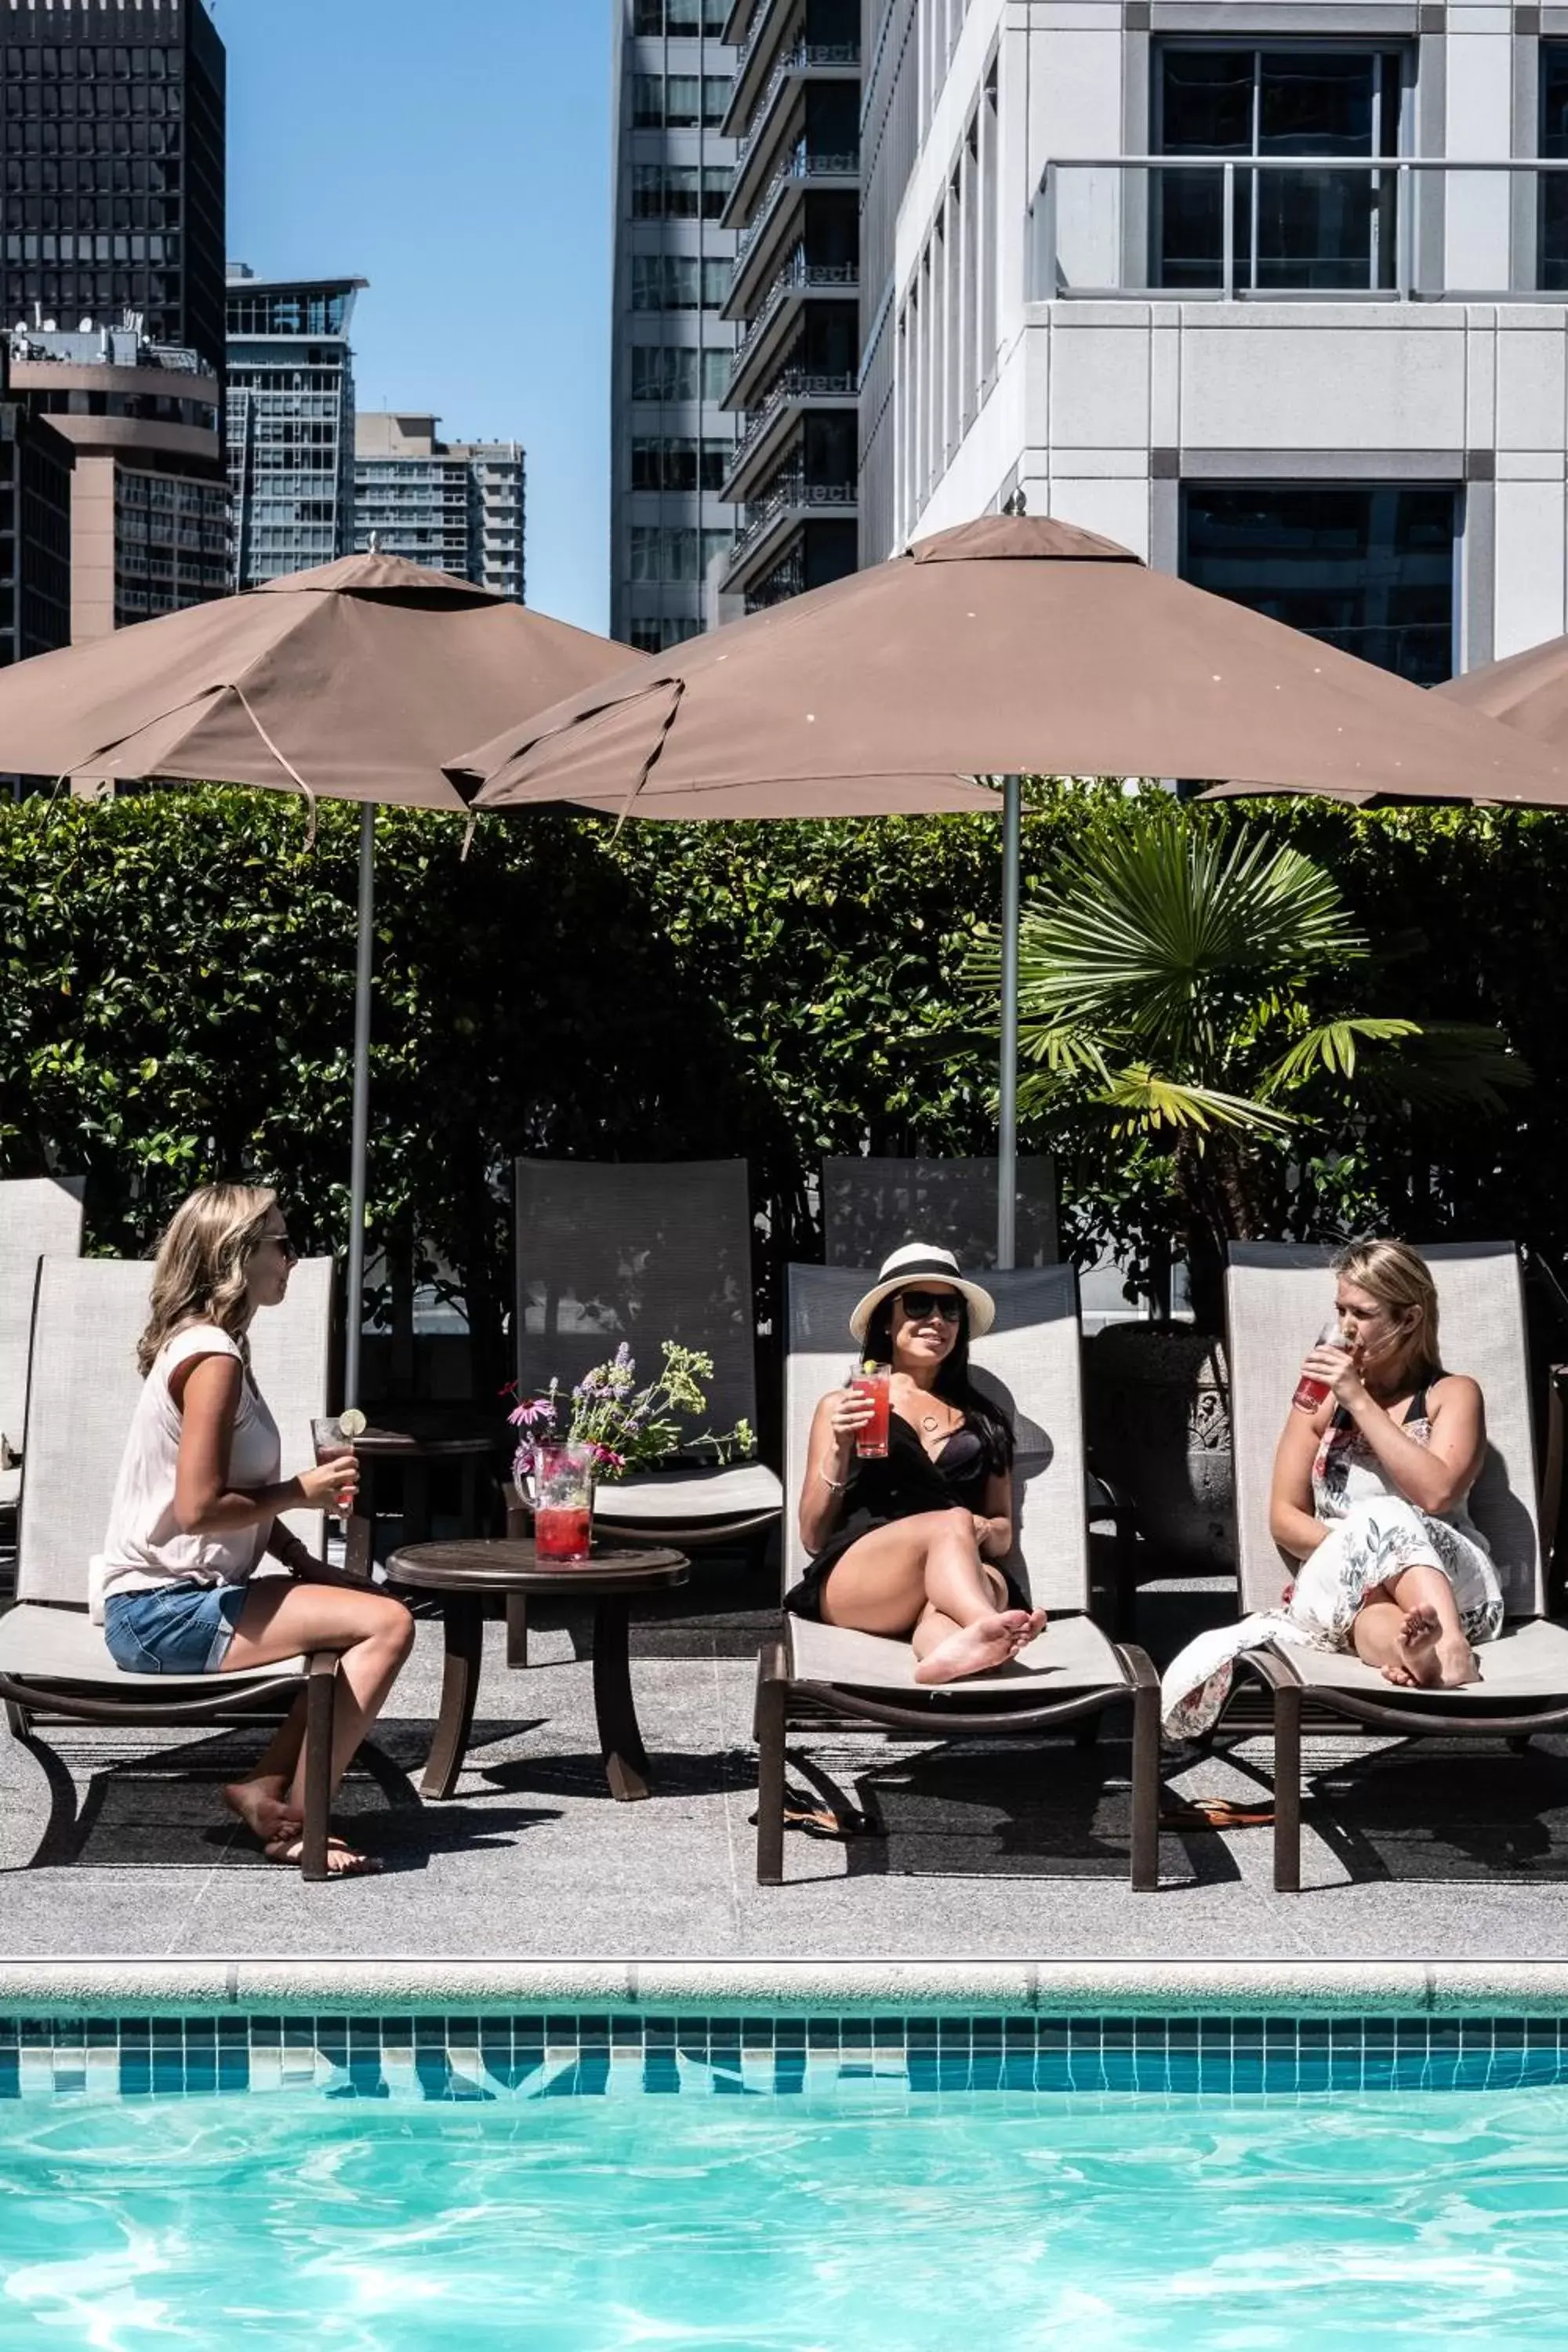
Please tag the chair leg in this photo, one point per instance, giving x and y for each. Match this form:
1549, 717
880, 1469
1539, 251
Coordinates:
18, 1721
1286, 1791
1145, 1789
320, 1689
516, 1629
772, 1696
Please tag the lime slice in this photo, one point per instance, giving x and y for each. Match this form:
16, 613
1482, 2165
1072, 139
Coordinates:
352, 1421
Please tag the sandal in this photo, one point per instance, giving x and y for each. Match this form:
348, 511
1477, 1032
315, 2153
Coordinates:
343, 1861
1216, 1813
823, 1822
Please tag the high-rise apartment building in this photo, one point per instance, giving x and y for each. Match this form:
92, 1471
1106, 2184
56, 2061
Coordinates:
455, 506
671, 440
291, 421
795, 204
149, 503
112, 162
35, 530
1275, 296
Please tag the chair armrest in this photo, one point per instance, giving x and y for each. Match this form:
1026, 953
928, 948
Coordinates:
1554, 1552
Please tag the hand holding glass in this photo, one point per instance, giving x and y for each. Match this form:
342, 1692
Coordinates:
872, 1382
1311, 1391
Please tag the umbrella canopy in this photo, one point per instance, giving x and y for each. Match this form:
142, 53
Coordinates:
349, 682
1527, 690
1013, 643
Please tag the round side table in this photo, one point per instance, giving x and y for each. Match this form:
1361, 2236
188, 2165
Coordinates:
470, 1578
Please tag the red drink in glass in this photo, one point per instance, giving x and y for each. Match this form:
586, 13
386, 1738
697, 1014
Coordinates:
871, 1442
563, 1531
1309, 1393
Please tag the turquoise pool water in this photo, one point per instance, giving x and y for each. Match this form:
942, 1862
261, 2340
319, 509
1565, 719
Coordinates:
867, 2218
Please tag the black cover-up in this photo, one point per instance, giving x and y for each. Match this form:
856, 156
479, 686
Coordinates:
900, 1484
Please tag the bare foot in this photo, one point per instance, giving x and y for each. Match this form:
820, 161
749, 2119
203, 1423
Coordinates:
259, 1805
1034, 1625
342, 1861
990, 1640
1419, 1638
1455, 1662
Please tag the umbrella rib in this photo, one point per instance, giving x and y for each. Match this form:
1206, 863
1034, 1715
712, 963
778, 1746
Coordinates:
649, 765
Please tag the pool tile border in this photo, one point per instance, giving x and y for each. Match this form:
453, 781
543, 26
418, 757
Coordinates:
483, 2031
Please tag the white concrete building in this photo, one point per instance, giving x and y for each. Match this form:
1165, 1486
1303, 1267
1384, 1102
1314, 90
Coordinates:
1270, 290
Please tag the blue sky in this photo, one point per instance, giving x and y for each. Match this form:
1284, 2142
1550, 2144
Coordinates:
457, 154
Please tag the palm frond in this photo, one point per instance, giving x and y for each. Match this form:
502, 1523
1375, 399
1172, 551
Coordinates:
1330, 1046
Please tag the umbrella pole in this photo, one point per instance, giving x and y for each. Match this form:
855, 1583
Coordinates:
361, 1135
1007, 1087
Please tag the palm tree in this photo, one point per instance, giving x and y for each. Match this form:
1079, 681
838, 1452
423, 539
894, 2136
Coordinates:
1176, 984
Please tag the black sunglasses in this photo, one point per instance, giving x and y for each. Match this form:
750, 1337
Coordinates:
919, 1303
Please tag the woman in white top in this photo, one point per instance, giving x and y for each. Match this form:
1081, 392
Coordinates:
197, 1506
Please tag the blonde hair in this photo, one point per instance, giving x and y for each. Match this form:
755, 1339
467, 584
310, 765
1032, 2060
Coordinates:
199, 1274
1398, 1277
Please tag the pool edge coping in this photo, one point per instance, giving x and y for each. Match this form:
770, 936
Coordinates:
783, 1987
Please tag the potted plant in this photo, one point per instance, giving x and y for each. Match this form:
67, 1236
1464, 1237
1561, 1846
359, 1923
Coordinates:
1185, 1020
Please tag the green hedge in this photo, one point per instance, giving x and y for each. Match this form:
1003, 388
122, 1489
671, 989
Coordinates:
179, 985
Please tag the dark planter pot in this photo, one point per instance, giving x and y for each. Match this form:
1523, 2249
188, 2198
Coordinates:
1158, 1410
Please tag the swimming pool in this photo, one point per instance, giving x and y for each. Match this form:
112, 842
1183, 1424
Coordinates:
585, 2183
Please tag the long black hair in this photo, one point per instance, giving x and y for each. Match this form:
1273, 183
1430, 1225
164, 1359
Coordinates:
953, 1381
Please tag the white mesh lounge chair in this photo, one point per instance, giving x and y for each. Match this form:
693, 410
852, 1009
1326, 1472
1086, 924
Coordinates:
647, 1252
1030, 1361
40, 1216
870, 1206
1275, 1297
53, 1664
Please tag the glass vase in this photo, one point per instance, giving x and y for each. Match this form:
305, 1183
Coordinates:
564, 1504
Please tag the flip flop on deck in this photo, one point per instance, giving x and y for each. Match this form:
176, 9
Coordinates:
1215, 1814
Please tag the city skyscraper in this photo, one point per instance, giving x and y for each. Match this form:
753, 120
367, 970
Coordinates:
113, 168
672, 348
456, 505
35, 530
291, 421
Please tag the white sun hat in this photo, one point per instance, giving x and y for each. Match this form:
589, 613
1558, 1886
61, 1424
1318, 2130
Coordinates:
906, 1268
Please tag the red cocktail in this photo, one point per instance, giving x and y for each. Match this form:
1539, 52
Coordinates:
562, 1532
871, 1441
1310, 1393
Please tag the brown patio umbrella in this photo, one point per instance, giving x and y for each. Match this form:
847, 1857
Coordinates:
349, 682
1009, 644
1527, 690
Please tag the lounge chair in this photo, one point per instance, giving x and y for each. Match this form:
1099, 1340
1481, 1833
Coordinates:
1030, 1360
870, 1206
646, 1253
54, 1665
1275, 1297
40, 1216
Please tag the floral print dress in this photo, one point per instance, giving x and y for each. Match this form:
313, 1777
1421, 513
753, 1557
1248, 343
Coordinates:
1373, 1534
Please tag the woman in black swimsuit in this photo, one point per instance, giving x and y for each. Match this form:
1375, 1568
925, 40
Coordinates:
906, 1544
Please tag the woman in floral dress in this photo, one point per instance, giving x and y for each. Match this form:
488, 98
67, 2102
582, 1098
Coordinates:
1370, 1494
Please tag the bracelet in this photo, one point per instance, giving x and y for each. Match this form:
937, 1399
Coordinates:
837, 1485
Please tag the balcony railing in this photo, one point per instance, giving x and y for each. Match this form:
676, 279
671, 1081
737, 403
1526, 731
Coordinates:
794, 384
799, 165
789, 491
798, 276
1265, 228
843, 55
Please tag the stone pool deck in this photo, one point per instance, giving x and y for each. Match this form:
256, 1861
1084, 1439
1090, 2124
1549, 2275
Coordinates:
115, 1845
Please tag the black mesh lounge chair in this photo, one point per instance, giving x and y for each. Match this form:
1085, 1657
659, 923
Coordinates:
53, 1664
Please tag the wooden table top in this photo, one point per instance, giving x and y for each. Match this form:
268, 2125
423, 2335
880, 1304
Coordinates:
508, 1563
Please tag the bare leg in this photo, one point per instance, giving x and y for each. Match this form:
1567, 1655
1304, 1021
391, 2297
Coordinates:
925, 1576
1409, 1628
374, 1635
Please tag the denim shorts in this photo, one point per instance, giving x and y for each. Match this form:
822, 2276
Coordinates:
172, 1629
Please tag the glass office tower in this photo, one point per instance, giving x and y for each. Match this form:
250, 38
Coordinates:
291, 421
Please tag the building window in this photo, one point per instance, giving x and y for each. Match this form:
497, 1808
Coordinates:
717, 366
664, 371
1552, 208
1313, 228
677, 282
1369, 568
